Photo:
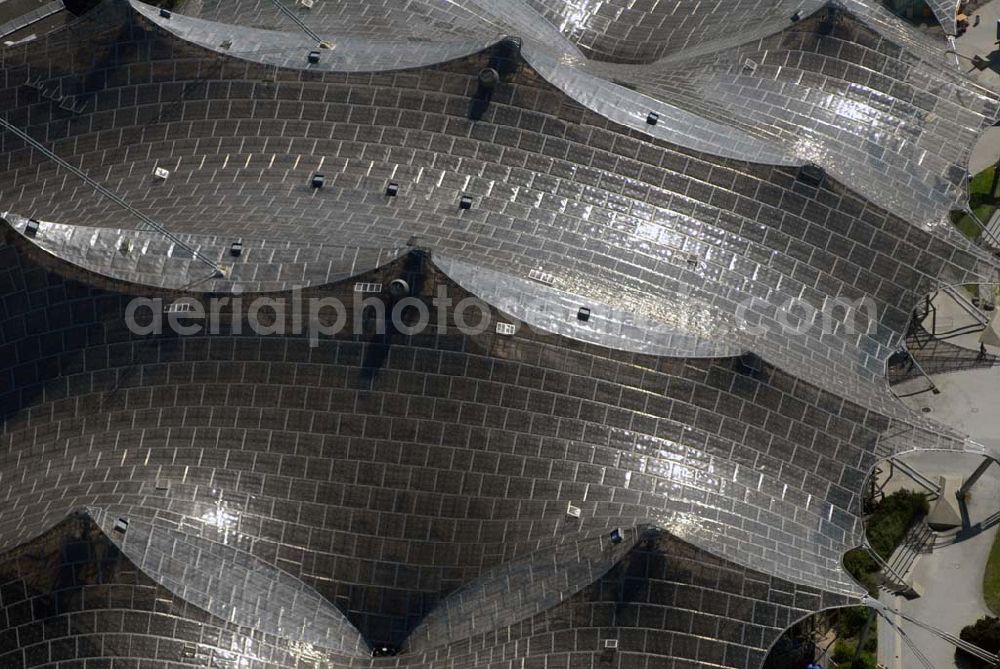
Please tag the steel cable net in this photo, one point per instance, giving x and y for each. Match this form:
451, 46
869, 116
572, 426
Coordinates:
414, 494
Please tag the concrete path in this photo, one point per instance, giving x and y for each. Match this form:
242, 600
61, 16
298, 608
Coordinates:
969, 401
981, 40
950, 316
950, 578
986, 151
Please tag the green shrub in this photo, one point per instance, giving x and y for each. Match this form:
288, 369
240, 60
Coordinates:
892, 518
981, 201
863, 567
851, 620
843, 651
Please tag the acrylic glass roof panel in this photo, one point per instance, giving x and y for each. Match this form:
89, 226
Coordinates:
605, 214
672, 581
614, 217
284, 45
897, 123
652, 447
642, 32
893, 124
437, 20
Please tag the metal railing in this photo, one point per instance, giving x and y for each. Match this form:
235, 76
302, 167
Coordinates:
926, 353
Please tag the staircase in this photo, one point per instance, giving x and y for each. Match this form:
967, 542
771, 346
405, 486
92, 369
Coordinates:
918, 540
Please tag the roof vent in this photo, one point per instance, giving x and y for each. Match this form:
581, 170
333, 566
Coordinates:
749, 66
583, 314
318, 180
652, 118
399, 288
236, 250
573, 511
31, 228
392, 190
121, 525
161, 173
616, 535
489, 78
465, 202
314, 57
165, 14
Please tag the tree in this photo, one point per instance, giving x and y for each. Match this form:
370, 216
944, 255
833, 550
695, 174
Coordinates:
984, 633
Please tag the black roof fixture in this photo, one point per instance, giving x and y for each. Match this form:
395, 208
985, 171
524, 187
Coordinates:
314, 57
318, 180
652, 118
488, 79
399, 288
392, 190
506, 56
236, 250
165, 14
505, 59
465, 202
616, 535
31, 228
812, 175
750, 364
583, 314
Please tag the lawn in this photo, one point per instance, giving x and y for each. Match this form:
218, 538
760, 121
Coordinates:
981, 201
991, 578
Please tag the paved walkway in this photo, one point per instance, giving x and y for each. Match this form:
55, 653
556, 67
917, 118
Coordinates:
967, 402
986, 151
981, 40
949, 316
950, 578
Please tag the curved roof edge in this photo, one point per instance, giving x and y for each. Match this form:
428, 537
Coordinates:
292, 50
555, 311
133, 261
196, 569
630, 108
